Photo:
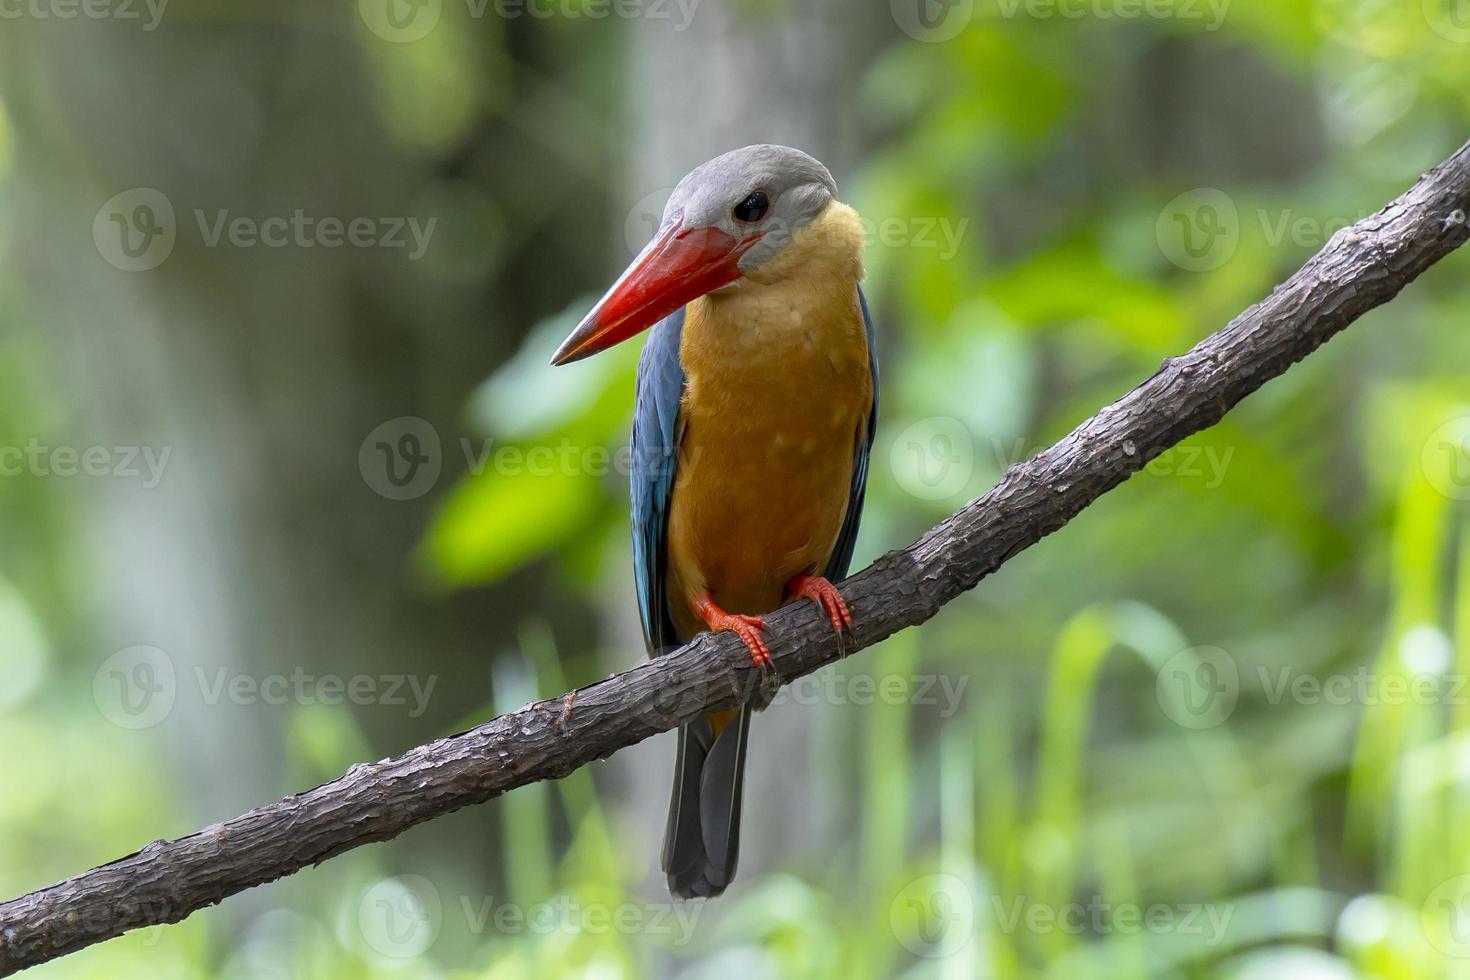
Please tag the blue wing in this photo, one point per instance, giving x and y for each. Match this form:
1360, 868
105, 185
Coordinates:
847, 537
655, 455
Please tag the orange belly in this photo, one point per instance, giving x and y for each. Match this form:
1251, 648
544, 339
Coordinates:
772, 413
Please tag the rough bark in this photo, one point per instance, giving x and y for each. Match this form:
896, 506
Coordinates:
1362, 267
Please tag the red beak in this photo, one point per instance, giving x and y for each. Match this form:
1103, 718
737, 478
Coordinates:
679, 265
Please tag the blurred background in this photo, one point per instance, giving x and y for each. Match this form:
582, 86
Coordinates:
286, 484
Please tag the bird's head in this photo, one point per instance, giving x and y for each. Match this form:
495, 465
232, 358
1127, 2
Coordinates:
727, 220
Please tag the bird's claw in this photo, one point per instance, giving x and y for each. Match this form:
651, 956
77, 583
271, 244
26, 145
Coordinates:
827, 598
750, 629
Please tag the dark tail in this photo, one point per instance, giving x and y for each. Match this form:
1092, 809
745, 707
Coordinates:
702, 841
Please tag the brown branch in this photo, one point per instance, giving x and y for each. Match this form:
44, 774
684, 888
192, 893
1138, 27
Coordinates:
1361, 267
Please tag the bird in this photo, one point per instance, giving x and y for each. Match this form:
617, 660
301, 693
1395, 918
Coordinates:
755, 414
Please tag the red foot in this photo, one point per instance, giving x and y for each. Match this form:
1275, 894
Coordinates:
825, 595
748, 628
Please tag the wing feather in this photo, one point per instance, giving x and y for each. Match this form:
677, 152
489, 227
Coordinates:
847, 536
654, 459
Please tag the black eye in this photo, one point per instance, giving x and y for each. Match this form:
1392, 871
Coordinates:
753, 208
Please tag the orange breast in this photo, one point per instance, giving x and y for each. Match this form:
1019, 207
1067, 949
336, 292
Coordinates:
778, 393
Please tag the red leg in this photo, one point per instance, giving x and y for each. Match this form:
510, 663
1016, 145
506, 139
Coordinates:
825, 595
748, 628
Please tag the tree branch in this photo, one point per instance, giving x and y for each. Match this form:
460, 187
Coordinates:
1361, 267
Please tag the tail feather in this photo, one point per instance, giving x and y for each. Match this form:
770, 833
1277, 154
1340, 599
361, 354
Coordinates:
702, 841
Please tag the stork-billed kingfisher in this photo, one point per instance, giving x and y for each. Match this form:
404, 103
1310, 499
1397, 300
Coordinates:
755, 413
